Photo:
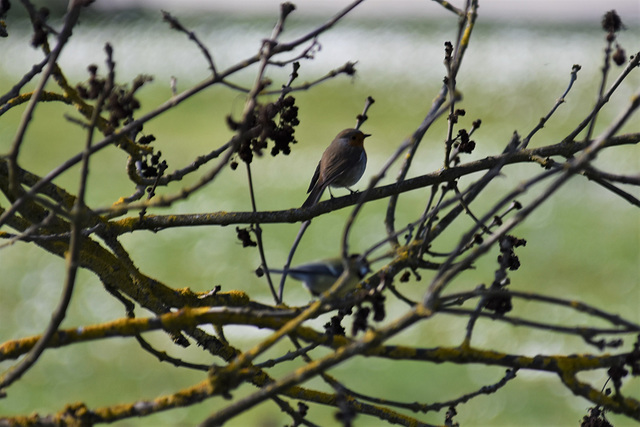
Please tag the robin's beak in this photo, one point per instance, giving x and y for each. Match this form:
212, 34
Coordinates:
365, 135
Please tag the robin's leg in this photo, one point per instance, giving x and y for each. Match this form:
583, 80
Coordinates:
352, 191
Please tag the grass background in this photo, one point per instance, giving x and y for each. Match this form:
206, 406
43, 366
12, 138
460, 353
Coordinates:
583, 244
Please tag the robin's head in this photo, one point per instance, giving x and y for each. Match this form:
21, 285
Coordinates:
354, 137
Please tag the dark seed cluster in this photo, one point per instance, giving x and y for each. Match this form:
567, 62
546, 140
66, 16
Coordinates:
39, 27
151, 166
612, 24
244, 235
500, 301
121, 102
276, 122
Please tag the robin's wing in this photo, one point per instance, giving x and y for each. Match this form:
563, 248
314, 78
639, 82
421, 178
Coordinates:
339, 162
316, 175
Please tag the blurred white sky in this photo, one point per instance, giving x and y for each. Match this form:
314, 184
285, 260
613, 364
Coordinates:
549, 10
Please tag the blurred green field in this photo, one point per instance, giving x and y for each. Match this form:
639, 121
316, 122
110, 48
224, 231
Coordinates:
582, 244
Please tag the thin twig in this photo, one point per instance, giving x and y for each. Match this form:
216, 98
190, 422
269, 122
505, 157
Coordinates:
70, 21
176, 25
559, 101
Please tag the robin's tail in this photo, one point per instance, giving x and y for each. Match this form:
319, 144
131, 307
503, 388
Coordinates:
314, 196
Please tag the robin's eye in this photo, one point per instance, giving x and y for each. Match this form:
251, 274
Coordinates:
353, 138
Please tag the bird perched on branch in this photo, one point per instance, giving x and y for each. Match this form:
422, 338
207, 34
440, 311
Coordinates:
342, 165
319, 276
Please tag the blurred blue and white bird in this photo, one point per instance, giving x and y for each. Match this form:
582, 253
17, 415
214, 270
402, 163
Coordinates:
319, 276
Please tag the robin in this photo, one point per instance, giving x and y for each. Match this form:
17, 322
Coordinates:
342, 165
319, 276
